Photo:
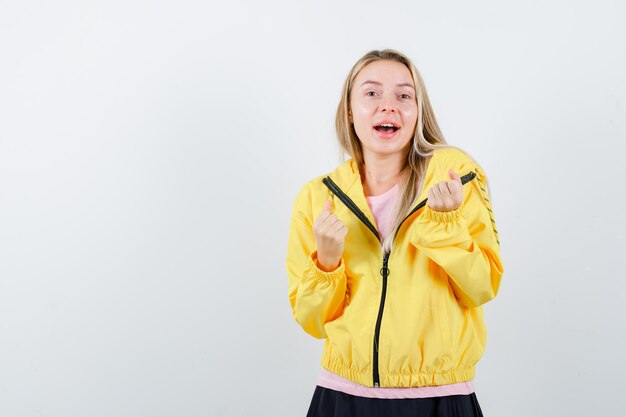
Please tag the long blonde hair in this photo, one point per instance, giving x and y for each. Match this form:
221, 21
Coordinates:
426, 138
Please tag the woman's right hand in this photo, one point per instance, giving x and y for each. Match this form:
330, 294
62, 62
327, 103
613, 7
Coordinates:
330, 234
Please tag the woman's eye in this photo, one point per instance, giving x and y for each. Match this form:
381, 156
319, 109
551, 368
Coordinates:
405, 96
368, 93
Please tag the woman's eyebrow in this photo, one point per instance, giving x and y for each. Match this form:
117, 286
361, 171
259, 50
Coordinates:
379, 83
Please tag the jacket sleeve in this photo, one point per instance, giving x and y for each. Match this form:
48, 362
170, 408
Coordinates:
316, 296
464, 242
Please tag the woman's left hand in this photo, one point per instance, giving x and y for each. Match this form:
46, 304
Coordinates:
446, 195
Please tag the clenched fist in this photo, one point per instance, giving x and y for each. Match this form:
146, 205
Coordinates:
330, 233
446, 195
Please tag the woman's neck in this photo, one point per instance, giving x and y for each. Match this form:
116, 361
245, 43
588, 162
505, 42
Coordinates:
379, 175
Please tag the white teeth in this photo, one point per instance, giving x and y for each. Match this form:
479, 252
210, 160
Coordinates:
386, 125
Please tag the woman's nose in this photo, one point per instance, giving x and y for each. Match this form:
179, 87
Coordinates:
387, 104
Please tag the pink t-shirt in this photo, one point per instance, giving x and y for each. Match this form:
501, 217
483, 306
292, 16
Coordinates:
382, 207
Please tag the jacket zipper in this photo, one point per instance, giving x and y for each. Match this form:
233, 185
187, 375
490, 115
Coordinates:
384, 271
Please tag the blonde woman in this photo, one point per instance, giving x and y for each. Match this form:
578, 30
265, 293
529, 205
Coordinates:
392, 254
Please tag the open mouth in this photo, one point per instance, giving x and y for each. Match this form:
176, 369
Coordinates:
386, 130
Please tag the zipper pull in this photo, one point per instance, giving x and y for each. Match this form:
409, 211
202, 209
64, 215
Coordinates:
384, 271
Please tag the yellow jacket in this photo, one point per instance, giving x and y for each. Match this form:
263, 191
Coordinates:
412, 317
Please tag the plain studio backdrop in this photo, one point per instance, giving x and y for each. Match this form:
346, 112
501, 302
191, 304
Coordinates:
150, 154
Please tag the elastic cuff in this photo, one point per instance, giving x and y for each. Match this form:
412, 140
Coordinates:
453, 216
314, 271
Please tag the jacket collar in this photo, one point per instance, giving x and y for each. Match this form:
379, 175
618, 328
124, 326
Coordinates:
346, 176
348, 179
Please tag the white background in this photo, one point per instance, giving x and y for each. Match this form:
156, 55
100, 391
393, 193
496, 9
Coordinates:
150, 153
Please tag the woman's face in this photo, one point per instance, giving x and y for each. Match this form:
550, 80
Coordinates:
384, 92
